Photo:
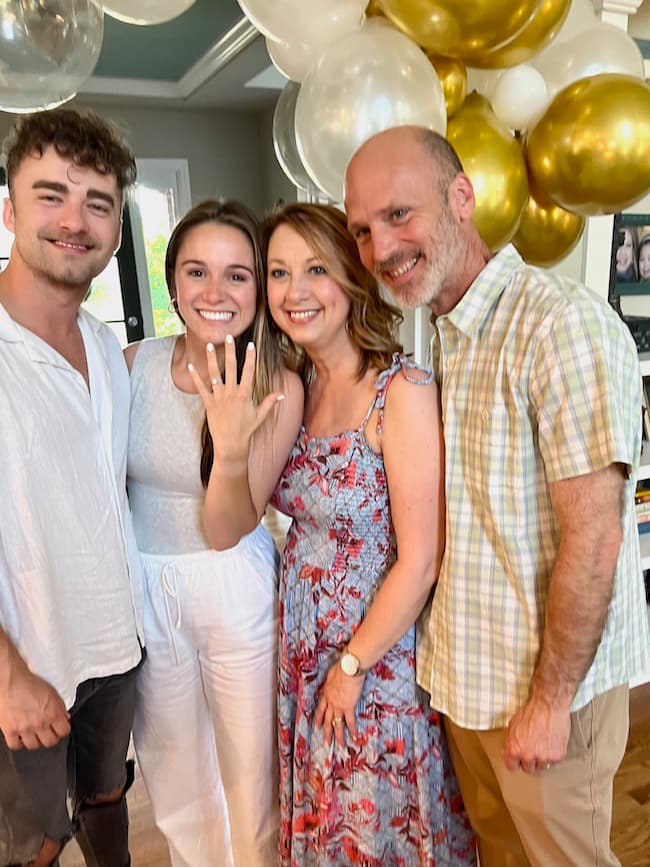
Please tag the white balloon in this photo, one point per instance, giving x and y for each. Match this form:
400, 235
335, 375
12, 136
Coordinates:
284, 138
598, 49
293, 61
520, 96
146, 11
48, 49
367, 82
305, 21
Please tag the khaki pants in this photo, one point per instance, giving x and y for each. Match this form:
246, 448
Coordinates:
555, 818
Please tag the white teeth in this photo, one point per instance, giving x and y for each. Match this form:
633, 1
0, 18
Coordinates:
302, 314
217, 315
71, 246
399, 272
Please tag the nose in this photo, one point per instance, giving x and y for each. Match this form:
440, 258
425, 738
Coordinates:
72, 217
381, 245
213, 291
297, 288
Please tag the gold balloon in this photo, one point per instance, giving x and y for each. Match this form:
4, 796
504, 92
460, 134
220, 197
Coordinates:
547, 233
464, 29
538, 32
453, 77
493, 160
373, 9
590, 151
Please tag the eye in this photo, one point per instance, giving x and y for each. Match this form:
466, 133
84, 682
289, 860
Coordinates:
399, 214
50, 198
318, 270
362, 234
240, 277
277, 273
196, 272
99, 208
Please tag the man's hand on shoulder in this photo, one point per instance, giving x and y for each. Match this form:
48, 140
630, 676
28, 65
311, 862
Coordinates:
32, 713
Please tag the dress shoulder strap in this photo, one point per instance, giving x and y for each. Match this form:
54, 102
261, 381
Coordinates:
410, 371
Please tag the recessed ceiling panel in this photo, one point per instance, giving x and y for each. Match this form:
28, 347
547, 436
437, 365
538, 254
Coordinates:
164, 52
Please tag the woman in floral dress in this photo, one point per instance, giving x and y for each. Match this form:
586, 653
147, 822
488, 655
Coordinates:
366, 777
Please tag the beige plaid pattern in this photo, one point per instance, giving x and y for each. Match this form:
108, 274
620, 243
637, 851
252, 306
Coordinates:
539, 381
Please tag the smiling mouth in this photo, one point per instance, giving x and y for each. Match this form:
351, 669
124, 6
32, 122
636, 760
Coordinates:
401, 270
301, 315
217, 315
67, 245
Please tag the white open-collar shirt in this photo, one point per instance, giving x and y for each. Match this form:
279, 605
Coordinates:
70, 585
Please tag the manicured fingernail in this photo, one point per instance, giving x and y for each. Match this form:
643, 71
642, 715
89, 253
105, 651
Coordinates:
210, 347
190, 367
251, 346
229, 338
280, 397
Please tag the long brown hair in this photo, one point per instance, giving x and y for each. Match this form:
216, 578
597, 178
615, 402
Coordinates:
268, 358
372, 322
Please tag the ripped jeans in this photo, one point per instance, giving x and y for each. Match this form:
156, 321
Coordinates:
89, 762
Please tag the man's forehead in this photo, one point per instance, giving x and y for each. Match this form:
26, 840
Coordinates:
50, 161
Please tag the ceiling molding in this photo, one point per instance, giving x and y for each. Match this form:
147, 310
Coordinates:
240, 36
230, 44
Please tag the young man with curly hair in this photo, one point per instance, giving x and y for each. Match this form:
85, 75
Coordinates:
69, 581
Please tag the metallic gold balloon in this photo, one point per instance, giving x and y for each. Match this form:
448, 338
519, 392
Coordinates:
537, 33
493, 160
547, 233
460, 28
374, 9
453, 77
590, 152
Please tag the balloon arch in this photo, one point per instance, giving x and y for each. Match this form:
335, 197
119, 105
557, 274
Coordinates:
546, 105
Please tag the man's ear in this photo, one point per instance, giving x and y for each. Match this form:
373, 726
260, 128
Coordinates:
8, 214
118, 240
461, 197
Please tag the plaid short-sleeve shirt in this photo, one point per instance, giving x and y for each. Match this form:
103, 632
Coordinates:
539, 382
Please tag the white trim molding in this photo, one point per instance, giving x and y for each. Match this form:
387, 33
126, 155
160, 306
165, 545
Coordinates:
622, 7
240, 36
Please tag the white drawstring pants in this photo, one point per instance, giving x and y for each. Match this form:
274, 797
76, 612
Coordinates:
205, 724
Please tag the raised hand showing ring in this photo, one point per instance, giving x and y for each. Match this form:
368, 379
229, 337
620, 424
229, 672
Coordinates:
233, 416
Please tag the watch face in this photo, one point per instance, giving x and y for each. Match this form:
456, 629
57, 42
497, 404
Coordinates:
350, 664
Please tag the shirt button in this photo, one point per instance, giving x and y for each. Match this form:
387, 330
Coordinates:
485, 415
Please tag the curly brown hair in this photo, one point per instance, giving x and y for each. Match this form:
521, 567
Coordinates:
81, 136
372, 322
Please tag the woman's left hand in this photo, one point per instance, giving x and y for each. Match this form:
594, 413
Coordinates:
232, 415
336, 708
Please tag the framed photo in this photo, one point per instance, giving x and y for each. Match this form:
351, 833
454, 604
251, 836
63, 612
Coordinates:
630, 265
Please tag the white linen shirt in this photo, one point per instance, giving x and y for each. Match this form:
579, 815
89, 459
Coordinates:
70, 585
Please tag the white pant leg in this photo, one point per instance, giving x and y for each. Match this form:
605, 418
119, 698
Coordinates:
173, 732
239, 668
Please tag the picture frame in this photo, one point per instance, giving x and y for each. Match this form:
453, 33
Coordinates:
630, 260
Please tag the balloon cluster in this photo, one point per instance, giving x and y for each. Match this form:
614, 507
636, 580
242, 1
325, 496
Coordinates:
559, 129
49, 48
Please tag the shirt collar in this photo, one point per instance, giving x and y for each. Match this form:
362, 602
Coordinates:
38, 349
471, 312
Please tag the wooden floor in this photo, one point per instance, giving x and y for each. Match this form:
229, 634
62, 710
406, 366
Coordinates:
631, 826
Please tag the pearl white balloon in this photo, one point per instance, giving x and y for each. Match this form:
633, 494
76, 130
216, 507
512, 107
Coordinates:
520, 96
48, 49
284, 138
598, 49
367, 82
146, 11
293, 61
304, 21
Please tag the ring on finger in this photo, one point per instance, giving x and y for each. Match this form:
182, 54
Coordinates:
215, 382
337, 720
